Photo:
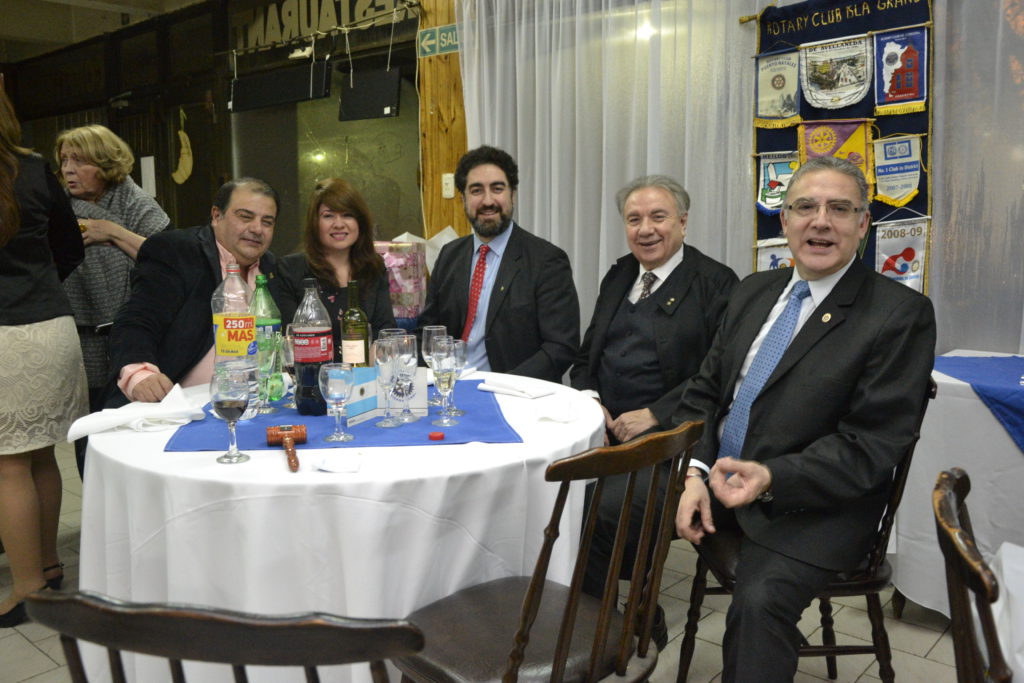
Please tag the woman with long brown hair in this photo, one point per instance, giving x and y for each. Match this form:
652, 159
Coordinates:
337, 248
42, 379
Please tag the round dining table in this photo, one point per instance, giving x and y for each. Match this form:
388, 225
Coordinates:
359, 532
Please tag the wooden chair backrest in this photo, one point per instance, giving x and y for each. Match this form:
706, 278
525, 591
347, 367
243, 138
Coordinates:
899, 482
665, 454
966, 570
188, 633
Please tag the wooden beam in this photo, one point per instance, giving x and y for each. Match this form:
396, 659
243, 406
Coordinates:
442, 125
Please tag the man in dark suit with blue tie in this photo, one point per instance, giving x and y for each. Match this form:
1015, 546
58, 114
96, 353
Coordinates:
810, 394
509, 294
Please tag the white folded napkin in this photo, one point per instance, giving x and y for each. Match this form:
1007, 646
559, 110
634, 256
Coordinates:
177, 408
512, 385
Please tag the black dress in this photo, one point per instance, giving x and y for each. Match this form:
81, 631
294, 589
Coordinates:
374, 297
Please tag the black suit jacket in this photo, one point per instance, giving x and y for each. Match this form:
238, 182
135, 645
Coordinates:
533, 317
167, 319
690, 304
834, 418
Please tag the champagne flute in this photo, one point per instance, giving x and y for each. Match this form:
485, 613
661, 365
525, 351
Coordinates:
384, 359
336, 383
266, 359
459, 350
429, 333
230, 395
444, 377
406, 362
288, 363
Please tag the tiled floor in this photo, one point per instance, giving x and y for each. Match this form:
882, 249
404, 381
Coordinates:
922, 647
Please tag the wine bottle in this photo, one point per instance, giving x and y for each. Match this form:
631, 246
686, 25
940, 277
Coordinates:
355, 330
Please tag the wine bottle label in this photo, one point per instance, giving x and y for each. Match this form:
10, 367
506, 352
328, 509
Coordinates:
353, 351
313, 346
234, 334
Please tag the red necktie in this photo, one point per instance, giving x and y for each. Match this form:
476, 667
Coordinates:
475, 287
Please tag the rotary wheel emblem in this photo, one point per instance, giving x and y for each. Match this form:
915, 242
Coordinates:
778, 81
823, 140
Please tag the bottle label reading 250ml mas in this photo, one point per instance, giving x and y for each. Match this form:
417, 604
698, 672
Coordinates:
235, 335
313, 345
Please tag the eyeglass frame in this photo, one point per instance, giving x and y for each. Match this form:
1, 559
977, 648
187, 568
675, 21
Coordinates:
830, 207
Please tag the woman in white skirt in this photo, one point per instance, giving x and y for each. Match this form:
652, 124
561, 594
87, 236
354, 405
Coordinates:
42, 379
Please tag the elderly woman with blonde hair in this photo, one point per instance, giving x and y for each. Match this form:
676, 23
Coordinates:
115, 216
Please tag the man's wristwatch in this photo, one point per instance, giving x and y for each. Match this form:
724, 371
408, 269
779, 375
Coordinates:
701, 474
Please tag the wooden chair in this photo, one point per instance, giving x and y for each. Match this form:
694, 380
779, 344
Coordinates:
184, 632
966, 570
529, 628
868, 580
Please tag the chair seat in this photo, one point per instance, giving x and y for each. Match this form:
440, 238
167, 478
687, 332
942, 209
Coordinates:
471, 634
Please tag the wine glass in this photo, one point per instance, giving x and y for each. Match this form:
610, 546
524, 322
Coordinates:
230, 395
406, 362
288, 363
266, 359
336, 383
429, 333
384, 359
444, 376
459, 350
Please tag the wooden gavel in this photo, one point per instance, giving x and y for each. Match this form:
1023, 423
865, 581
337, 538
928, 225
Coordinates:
287, 435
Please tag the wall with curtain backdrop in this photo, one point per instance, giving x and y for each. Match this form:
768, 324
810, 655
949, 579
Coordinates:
588, 94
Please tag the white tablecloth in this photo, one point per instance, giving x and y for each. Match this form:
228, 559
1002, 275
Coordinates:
958, 431
412, 525
1008, 610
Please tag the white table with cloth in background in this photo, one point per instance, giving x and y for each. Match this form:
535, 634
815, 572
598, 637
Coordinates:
958, 431
412, 525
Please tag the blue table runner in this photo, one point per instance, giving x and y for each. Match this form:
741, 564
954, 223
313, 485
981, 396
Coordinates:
999, 383
482, 422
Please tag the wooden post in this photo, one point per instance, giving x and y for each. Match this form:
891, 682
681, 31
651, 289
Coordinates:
442, 125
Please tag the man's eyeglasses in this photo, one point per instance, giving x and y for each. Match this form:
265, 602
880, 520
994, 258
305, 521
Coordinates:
837, 210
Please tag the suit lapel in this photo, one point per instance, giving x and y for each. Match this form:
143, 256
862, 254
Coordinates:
826, 317
507, 271
209, 243
677, 284
462, 273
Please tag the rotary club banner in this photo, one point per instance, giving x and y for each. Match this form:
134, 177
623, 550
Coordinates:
773, 254
897, 169
776, 168
900, 250
842, 138
778, 90
901, 71
836, 73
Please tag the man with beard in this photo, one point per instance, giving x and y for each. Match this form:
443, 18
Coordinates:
506, 292
163, 334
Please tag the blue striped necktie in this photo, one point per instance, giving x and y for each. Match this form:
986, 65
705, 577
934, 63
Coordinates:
772, 348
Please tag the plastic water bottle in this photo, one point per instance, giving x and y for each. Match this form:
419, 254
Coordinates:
268, 331
234, 332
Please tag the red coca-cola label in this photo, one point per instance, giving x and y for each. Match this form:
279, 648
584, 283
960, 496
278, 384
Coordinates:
313, 345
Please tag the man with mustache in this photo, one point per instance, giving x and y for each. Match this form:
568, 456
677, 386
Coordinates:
163, 335
508, 293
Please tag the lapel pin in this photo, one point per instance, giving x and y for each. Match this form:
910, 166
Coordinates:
670, 301
825, 318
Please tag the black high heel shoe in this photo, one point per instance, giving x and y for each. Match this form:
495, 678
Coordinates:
55, 582
14, 616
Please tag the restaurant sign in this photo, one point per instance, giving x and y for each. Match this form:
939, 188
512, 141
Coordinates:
265, 23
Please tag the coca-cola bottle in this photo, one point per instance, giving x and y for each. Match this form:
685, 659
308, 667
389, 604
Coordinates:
314, 346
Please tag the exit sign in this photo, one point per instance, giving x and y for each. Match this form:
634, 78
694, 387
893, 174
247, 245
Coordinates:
439, 40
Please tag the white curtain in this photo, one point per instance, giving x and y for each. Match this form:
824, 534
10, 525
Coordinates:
588, 94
